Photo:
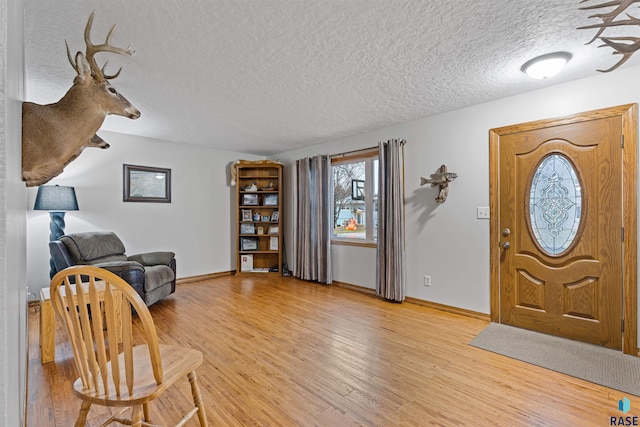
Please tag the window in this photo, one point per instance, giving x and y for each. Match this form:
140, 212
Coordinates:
355, 197
555, 204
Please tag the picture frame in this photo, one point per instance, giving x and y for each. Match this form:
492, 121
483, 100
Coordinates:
247, 228
250, 199
265, 218
275, 216
146, 184
246, 263
248, 243
260, 230
273, 243
274, 229
270, 200
247, 215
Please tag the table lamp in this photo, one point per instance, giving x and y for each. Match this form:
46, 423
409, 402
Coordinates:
55, 199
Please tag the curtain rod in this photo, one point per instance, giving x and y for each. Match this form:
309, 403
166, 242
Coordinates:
348, 153
360, 151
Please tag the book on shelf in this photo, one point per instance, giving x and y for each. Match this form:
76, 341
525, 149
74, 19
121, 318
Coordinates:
246, 263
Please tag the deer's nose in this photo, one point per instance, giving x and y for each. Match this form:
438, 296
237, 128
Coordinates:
133, 114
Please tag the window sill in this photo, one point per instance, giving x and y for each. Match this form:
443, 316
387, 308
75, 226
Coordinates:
361, 243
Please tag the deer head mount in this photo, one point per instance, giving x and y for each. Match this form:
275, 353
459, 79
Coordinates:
618, 44
53, 135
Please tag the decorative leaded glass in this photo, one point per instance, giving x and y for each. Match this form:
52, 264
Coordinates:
555, 204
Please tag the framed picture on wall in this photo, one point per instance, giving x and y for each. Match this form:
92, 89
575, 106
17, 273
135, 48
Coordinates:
146, 184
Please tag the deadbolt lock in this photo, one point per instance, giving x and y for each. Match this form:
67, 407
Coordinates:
506, 232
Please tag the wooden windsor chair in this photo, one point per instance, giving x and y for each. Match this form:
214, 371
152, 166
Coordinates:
113, 371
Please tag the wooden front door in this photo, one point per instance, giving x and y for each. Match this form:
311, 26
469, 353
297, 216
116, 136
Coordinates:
558, 225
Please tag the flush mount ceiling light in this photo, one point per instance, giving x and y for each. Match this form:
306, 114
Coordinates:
546, 66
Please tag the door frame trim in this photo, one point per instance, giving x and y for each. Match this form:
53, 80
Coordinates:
628, 113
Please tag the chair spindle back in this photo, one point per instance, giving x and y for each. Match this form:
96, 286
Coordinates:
98, 317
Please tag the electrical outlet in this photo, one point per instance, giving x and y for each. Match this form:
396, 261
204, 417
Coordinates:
427, 280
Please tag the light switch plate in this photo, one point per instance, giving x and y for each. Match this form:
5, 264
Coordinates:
483, 212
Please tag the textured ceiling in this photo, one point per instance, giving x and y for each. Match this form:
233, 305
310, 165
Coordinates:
266, 76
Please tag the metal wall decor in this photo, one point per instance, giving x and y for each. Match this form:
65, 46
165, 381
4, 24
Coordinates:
625, 46
440, 179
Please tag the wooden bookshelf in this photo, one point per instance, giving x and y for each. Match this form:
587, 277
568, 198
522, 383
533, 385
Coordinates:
259, 217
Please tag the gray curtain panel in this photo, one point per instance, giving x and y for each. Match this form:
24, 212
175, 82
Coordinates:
314, 227
390, 271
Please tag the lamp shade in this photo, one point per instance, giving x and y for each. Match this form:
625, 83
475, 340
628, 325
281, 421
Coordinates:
56, 198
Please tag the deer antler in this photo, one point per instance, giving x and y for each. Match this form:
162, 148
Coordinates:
608, 20
92, 49
624, 49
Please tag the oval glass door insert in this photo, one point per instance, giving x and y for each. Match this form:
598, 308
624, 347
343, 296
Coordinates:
555, 204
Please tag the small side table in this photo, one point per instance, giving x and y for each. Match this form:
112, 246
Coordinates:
48, 321
47, 328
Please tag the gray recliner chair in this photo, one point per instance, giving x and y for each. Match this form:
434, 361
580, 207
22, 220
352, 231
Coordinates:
152, 274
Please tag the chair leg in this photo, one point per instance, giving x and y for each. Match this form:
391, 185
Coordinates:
82, 416
197, 399
147, 412
136, 416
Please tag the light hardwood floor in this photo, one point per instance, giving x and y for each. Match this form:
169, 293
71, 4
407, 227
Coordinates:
282, 352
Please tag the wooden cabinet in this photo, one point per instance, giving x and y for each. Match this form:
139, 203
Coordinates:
259, 217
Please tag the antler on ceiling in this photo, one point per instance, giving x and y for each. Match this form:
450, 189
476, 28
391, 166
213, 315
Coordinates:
92, 49
608, 20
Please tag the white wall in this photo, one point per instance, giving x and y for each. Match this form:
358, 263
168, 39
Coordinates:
13, 312
446, 241
195, 225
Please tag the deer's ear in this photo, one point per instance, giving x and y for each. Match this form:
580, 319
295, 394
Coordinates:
83, 67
